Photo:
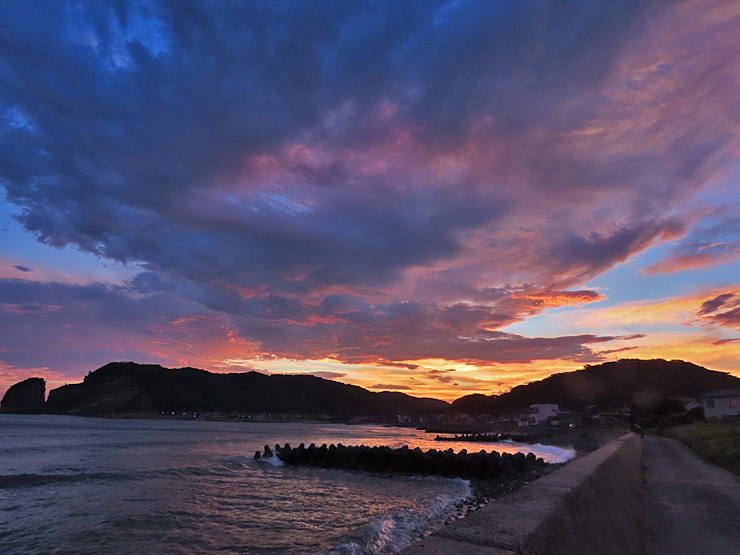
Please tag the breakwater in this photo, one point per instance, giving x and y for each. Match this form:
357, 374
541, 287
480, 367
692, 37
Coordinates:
411, 461
591, 505
492, 437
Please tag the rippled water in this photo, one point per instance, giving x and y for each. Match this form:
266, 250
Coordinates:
83, 485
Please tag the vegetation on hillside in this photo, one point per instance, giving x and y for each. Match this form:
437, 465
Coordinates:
647, 386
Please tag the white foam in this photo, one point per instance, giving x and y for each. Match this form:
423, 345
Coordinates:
273, 460
396, 531
553, 454
549, 453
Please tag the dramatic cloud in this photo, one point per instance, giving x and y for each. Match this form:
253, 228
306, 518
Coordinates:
722, 310
72, 328
363, 182
713, 305
92, 324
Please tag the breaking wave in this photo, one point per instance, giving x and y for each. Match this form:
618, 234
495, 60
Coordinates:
397, 530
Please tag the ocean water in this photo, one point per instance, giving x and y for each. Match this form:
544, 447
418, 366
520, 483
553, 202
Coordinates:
71, 485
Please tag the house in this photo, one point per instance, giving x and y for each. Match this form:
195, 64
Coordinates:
721, 403
540, 412
519, 418
404, 419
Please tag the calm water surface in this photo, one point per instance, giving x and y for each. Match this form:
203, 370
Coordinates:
73, 485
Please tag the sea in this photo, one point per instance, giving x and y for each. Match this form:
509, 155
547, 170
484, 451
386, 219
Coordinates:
76, 485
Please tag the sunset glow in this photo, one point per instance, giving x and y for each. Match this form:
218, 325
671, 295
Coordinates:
439, 198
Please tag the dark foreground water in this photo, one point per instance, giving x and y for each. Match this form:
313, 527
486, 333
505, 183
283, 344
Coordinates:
84, 485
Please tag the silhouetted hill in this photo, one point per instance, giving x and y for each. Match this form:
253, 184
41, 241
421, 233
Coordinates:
140, 388
628, 382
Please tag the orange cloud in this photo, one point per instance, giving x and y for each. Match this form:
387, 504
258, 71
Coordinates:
657, 312
690, 327
692, 261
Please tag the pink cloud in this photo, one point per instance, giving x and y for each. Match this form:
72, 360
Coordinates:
683, 262
329, 375
29, 308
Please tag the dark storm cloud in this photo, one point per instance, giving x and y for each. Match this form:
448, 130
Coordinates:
131, 108
297, 172
72, 322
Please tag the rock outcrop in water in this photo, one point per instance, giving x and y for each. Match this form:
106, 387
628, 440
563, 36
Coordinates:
26, 397
409, 461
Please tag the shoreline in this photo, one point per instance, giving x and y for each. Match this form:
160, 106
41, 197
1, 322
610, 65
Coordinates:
484, 491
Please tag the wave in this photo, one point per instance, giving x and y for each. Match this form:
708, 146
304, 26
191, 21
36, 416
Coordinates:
395, 531
272, 460
33, 480
554, 454
549, 453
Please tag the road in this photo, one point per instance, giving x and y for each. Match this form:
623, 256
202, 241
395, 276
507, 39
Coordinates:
693, 507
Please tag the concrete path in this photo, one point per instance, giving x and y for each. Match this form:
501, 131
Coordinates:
693, 507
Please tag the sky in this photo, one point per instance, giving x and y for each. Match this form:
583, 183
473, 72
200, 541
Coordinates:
434, 197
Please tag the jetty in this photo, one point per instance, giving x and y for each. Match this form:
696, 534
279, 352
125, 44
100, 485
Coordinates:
484, 465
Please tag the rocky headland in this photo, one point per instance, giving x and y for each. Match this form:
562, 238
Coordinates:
26, 397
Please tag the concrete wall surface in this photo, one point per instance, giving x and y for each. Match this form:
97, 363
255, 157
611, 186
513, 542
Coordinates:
592, 505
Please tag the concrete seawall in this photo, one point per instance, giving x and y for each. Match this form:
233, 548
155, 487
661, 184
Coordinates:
592, 505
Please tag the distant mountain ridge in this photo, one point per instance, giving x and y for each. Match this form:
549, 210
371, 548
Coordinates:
627, 382
121, 388
127, 387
